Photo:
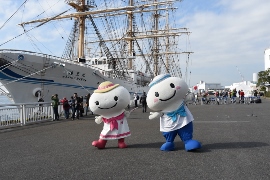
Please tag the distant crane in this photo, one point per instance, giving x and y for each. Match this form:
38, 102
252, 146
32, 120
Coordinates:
240, 73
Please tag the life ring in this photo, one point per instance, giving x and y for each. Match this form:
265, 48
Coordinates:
37, 92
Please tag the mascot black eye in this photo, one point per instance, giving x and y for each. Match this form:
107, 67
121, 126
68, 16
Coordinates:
156, 94
97, 103
172, 85
115, 98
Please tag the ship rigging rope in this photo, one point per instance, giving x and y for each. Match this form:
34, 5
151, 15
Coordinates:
113, 20
3, 91
149, 42
13, 14
7, 65
109, 30
34, 44
50, 7
34, 27
53, 65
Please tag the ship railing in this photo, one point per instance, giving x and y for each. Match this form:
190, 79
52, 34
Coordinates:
31, 53
38, 54
63, 60
22, 114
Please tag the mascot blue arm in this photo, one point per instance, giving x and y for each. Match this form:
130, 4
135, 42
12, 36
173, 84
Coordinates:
166, 97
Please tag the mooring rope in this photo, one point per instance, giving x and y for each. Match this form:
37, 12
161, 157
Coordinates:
7, 65
53, 65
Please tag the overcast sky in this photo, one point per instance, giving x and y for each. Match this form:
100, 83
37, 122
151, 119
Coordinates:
228, 36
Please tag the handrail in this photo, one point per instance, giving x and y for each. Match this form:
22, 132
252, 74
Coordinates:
32, 53
21, 114
19, 104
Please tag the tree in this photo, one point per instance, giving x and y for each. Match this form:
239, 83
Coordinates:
263, 77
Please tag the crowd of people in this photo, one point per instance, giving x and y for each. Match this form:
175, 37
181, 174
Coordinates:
227, 96
78, 105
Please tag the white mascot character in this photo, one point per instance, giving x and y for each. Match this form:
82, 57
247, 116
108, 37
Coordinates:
166, 98
110, 101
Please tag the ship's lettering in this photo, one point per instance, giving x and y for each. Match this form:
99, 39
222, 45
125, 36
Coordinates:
77, 73
77, 78
81, 79
69, 77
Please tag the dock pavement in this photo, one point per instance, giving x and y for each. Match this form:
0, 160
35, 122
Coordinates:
235, 145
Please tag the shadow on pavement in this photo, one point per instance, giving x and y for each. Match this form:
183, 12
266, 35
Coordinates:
232, 145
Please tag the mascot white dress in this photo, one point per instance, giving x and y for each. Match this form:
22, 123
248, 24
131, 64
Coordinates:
167, 98
110, 101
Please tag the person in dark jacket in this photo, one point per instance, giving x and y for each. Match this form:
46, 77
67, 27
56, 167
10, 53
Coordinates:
81, 106
143, 102
40, 105
75, 103
55, 104
136, 98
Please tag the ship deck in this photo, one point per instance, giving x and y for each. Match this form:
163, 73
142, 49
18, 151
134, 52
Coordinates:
235, 145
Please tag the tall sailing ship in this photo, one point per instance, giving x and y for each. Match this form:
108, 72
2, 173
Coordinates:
126, 42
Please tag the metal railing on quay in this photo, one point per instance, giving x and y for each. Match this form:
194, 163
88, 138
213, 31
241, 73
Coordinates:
212, 100
26, 113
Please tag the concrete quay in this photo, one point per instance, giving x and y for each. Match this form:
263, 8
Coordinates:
235, 145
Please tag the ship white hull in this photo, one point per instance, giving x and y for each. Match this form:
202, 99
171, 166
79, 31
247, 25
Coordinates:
24, 78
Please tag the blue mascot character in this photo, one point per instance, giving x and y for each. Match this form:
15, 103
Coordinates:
166, 98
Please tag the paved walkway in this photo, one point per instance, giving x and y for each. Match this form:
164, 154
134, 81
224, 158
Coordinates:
235, 141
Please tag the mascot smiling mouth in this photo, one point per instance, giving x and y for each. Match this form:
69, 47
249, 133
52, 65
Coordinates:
169, 97
108, 108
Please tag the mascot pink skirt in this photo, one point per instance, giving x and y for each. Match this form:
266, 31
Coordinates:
109, 101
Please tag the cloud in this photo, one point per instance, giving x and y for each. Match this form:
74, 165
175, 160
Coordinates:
225, 35
48, 35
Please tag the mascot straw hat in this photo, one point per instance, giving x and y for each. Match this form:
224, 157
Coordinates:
105, 87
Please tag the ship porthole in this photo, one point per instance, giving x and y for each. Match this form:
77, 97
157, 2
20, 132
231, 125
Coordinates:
20, 57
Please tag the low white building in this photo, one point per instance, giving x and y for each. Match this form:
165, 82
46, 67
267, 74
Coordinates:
203, 86
246, 86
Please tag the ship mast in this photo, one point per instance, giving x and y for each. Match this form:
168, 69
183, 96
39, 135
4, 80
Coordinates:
80, 7
130, 34
156, 16
167, 42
